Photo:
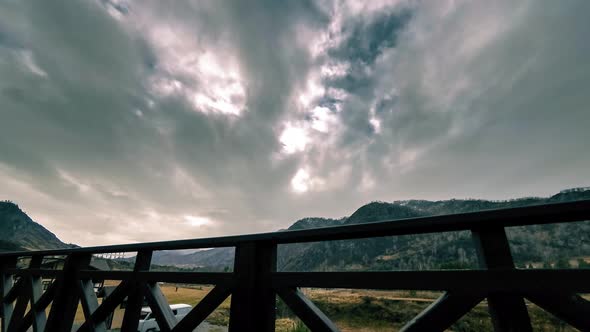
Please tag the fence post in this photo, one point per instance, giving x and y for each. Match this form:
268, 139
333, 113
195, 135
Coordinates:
135, 297
253, 301
508, 311
64, 306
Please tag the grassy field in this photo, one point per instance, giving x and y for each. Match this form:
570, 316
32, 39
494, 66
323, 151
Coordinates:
181, 294
368, 311
354, 310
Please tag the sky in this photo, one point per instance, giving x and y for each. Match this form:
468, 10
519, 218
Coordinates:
126, 121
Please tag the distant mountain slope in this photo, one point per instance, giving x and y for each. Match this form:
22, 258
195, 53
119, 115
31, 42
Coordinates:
10, 246
542, 243
306, 223
376, 211
18, 231
216, 259
535, 244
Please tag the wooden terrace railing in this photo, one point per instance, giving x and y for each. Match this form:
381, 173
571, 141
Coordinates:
254, 282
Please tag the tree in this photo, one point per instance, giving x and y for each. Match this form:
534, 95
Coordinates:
562, 263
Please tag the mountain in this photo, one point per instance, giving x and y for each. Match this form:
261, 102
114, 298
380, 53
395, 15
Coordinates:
215, 259
19, 232
536, 245
10, 246
306, 223
377, 211
530, 245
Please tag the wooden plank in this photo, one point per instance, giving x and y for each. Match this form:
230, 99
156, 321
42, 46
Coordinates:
160, 307
253, 302
492, 248
26, 289
571, 308
40, 306
203, 309
109, 304
65, 303
203, 278
6, 285
20, 307
46, 298
109, 320
478, 281
90, 304
443, 313
313, 317
14, 291
508, 311
38, 314
135, 298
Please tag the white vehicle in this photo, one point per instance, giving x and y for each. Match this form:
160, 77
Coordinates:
147, 322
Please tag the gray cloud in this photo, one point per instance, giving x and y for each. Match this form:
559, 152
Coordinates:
126, 122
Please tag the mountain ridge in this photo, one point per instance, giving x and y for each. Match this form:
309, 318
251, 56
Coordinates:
427, 251
19, 232
452, 249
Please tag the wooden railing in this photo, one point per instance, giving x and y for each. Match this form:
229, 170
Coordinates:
254, 282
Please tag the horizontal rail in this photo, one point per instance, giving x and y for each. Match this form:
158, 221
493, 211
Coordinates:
459, 281
521, 216
502, 280
204, 278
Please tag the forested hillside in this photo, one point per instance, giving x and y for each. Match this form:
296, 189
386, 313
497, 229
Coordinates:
19, 232
534, 245
543, 245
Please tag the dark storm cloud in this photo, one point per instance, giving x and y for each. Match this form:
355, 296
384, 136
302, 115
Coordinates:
367, 40
134, 121
485, 106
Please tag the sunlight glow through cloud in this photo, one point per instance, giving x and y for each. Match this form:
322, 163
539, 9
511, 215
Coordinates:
197, 221
322, 119
208, 78
312, 91
300, 182
303, 182
376, 124
294, 139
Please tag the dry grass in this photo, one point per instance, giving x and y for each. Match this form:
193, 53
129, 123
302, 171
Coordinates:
183, 294
357, 295
345, 306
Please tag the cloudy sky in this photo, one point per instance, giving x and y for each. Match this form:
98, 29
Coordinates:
124, 121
